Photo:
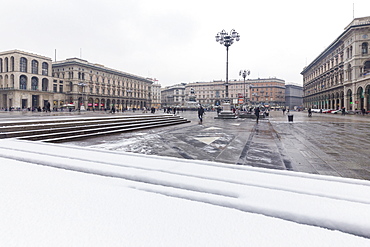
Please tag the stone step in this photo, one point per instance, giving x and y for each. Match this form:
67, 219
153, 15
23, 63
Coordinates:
107, 132
25, 130
58, 130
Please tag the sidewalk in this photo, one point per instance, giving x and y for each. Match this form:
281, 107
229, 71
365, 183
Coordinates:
326, 144
313, 145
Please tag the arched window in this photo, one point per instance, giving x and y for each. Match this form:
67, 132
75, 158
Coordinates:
23, 64
12, 81
6, 69
23, 82
12, 64
349, 72
45, 68
6, 83
45, 83
364, 48
35, 67
367, 68
34, 83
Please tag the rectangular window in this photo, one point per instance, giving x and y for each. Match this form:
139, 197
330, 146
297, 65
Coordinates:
61, 88
55, 88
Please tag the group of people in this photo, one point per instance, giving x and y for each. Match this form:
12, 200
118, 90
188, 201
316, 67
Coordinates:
172, 110
201, 112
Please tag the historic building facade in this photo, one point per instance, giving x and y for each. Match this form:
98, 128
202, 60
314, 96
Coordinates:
26, 81
268, 91
156, 95
293, 96
173, 95
340, 76
97, 87
30, 81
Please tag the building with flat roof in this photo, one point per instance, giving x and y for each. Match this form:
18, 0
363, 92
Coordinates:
31, 81
173, 96
340, 76
156, 95
26, 81
97, 87
261, 91
293, 96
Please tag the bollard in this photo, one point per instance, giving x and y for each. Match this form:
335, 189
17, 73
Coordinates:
290, 117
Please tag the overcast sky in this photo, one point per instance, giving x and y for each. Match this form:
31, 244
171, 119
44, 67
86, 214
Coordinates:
174, 41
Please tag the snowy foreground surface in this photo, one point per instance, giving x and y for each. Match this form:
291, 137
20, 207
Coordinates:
56, 195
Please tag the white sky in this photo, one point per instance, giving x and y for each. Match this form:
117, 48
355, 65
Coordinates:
174, 41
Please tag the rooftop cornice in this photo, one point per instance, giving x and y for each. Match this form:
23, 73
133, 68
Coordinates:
357, 22
24, 53
99, 67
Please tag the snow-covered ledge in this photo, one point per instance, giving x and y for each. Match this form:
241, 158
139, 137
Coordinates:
72, 196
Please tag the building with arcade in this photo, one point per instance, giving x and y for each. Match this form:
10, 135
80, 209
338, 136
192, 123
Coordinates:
340, 76
30, 81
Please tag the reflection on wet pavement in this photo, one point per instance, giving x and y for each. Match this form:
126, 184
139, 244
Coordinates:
332, 145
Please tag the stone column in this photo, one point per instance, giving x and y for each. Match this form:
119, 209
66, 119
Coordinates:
345, 98
366, 105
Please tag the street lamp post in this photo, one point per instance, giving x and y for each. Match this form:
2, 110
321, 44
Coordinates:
244, 74
227, 40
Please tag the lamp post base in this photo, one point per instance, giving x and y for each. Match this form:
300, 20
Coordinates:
226, 112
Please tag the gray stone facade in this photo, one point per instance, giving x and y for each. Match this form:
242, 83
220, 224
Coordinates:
30, 81
293, 96
340, 76
26, 81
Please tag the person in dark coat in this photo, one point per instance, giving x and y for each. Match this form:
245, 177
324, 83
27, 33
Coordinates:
200, 113
48, 107
257, 113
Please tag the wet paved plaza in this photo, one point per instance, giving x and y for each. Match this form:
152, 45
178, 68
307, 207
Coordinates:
326, 144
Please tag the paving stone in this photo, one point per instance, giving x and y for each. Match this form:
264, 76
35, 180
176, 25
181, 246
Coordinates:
324, 144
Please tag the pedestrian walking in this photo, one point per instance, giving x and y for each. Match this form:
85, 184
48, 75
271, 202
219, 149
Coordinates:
48, 107
200, 113
363, 111
343, 111
309, 112
257, 113
284, 111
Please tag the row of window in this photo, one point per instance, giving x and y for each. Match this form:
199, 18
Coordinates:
34, 83
324, 83
23, 84
8, 66
100, 79
331, 63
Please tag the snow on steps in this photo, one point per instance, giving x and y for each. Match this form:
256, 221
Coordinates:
330, 202
60, 130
